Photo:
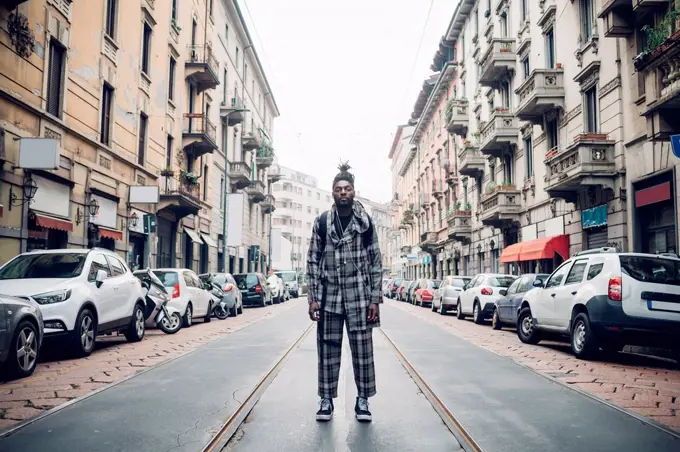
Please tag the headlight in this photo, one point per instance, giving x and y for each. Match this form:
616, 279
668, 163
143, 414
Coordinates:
53, 297
159, 294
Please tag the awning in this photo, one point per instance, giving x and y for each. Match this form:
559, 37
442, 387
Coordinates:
45, 221
544, 248
193, 235
208, 240
110, 233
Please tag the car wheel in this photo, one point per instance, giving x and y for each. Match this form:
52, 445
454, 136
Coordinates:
442, 309
264, 301
188, 318
583, 340
233, 312
477, 315
496, 321
432, 307
459, 311
240, 308
526, 330
208, 316
24, 352
84, 333
135, 331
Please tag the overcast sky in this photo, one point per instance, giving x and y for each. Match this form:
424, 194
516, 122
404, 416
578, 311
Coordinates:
340, 72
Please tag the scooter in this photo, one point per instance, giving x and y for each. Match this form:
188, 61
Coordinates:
219, 307
156, 309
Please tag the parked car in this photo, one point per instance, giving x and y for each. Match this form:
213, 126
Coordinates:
605, 299
395, 285
401, 291
254, 289
426, 291
446, 297
232, 296
386, 287
290, 278
188, 293
480, 295
276, 287
411, 295
507, 307
81, 292
21, 335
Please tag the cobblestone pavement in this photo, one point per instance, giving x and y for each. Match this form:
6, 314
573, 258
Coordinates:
58, 380
644, 385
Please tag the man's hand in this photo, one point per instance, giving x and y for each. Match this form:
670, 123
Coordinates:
314, 311
373, 313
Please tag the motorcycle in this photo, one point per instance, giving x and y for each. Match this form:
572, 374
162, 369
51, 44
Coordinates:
219, 306
156, 309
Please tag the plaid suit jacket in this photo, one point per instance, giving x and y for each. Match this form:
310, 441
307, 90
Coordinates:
351, 272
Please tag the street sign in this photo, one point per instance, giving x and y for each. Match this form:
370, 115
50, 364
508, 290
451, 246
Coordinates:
149, 224
675, 145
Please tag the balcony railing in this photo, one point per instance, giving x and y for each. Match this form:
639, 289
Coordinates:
541, 92
255, 190
460, 225
251, 140
499, 134
500, 206
589, 161
498, 60
202, 67
274, 174
457, 119
428, 239
264, 156
437, 188
199, 134
179, 185
239, 174
470, 161
231, 111
268, 204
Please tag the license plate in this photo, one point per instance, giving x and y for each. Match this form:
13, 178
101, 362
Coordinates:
663, 306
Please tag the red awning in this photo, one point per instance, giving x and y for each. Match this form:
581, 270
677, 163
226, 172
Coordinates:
110, 233
544, 248
45, 221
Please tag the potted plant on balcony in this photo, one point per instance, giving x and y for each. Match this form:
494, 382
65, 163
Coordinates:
507, 185
190, 178
552, 152
167, 172
468, 207
590, 136
501, 110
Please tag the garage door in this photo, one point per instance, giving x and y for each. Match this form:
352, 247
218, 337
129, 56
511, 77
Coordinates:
596, 238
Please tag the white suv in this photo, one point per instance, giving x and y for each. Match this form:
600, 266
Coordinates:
81, 293
605, 299
479, 296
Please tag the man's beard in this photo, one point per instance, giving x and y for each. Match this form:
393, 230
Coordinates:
344, 202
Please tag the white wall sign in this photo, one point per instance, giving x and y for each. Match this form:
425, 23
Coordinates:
235, 219
107, 215
51, 197
144, 194
139, 227
39, 153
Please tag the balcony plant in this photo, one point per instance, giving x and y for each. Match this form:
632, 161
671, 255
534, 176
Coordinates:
190, 178
167, 172
590, 136
175, 25
507, 185
501, 110
506, 47
552, 152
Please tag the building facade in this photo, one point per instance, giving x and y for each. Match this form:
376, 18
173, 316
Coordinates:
522, 135
135, 104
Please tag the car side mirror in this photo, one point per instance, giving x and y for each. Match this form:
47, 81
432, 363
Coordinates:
538, 283
503, 292
100, 278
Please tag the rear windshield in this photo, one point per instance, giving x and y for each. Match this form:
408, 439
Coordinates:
652, 269
458, 282
397, 282
501, 281
433, 284
169, 279
219, 278
245, 282
39, 266
287, 276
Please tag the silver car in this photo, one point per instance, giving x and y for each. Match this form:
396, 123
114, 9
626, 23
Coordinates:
232, 296
21, 335
446, 297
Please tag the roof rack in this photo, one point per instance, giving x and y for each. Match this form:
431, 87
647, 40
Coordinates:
604, 249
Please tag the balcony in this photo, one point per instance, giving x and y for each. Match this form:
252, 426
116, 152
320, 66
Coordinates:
180, 195
451, 176
268, 204
460, 225
425, 200
406, 249
501, 206
239, 174
201, 68
470, 161
255, 190
437, 188
589, 161
499, 134
428, 239
232, 112
274, 175
199, 135
264, 156
498, 60
457, 119
541, 92
250, 141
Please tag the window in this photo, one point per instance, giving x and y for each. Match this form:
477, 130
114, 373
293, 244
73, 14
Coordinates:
476, 22
309, 193
576, 273
526, 67
317, 211
224, 87
529, 156
117, 268
171, 78
550, 49
505, 94
205, 184
226, 32
236, 59
168, 151
107, 102
111, 11
309, 209
508, 175
146, 48
594, 270
586, 19
211, 7
55, 78
98, 263
558, 275
651, 269
590, 110
174, 9
524, 9
552, 133
504, 26
143, 123
318, 197
222, 195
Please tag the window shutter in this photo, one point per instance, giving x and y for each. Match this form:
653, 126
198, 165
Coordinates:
54, 79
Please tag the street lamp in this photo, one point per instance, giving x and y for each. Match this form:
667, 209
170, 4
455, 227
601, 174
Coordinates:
29, 189
92, 210
134, 219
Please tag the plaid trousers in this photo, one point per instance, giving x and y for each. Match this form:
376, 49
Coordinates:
329, 347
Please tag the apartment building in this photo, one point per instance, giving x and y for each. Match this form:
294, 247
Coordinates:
521, 139
298, 202
126, 96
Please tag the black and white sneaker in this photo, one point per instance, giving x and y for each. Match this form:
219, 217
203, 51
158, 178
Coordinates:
361, 410
325, 412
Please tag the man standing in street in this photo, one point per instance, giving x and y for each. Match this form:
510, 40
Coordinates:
344, 270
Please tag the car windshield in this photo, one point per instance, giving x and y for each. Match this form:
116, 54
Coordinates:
168, 278
43, 266
245, 282
501, 281
458, 282
433, 284
652, 269
397, 282
287, 276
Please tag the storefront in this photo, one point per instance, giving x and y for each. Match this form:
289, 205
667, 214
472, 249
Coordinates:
138, 250
189, 238
655, 226
537, 256
103, 232
49, 222
165, 234
208, 243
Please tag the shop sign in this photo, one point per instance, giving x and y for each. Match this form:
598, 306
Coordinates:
595, 217
149, 224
